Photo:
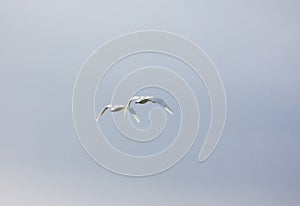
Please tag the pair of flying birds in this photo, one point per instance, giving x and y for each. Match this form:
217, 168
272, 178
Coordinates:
136, 100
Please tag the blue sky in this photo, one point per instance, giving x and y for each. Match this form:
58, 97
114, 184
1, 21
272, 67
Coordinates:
255, 47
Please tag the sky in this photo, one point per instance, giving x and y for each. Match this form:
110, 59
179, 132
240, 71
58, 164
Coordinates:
254, 46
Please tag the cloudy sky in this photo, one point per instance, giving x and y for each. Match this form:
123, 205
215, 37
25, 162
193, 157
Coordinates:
255, 47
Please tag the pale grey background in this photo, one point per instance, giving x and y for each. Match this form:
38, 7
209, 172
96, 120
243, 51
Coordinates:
255, 47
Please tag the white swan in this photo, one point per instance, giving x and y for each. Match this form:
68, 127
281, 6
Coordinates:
117, 108
145, 99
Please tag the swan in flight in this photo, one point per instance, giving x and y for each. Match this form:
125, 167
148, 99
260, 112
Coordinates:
117, 108
145, 99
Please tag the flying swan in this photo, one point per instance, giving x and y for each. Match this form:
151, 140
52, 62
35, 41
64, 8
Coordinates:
144, 100
117, 108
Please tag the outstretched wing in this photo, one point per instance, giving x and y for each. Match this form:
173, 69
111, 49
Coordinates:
133, 113
162, 103
117, 108
102, 112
